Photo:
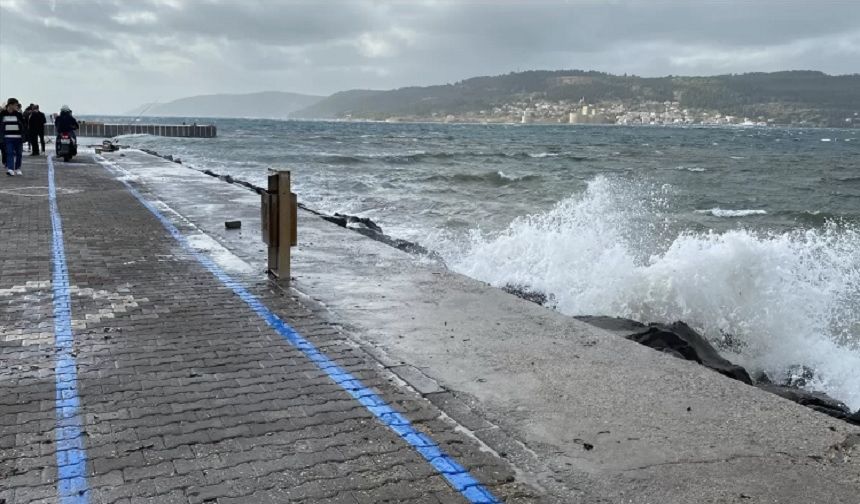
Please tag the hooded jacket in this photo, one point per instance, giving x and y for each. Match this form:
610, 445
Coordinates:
66, 123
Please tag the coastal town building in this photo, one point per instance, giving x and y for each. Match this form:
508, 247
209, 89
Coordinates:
544, 111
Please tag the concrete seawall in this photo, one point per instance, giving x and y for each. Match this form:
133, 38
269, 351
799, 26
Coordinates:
584, 415
98, 130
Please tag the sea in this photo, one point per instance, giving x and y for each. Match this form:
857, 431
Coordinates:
751, 235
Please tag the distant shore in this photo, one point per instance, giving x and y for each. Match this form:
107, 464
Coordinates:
464, 122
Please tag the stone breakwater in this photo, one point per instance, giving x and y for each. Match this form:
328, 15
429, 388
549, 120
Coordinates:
361, 225
680, 340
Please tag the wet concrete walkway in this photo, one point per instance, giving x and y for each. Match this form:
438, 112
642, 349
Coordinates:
188, 390
180, 386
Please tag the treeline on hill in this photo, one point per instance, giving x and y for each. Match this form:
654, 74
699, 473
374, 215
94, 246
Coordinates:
788, 97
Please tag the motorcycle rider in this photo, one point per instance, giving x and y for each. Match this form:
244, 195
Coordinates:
66, 122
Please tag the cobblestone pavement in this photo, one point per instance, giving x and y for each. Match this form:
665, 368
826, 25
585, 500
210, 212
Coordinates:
186, 394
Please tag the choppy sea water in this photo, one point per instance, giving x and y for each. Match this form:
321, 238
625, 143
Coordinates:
747, 232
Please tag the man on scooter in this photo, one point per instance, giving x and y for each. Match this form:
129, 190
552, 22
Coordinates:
65, 122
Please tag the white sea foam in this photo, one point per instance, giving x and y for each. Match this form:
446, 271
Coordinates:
694, 169
791, 298
512, 178
129, 136
720, 212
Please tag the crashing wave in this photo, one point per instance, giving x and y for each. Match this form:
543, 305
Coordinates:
720, 212
789, 298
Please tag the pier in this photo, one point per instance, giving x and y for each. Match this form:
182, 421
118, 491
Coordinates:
145, 357
102, 130
133, 366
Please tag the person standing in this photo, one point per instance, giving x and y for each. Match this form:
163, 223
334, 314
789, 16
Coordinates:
36, 130
26, 113
2, 137
12, 122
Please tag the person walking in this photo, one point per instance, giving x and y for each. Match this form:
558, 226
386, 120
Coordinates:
2, 138
36, 129
12, 123
26, 113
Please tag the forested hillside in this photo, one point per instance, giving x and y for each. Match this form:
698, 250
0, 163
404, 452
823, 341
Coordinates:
787, 97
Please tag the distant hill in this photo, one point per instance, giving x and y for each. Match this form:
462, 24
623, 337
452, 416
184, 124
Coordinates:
792, 97
358, 102
267, 104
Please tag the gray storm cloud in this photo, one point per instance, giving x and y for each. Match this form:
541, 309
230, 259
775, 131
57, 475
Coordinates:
111, 55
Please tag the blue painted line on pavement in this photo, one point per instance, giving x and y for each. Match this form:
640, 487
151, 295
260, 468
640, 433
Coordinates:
72, 486
456, 475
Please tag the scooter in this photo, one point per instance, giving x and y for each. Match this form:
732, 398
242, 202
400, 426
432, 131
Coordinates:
67, 146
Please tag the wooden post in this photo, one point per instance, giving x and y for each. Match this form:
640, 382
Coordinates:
270, 210
279, 211
294, 220
285, 226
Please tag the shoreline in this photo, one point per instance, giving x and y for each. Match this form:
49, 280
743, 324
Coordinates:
692, 347
502, 123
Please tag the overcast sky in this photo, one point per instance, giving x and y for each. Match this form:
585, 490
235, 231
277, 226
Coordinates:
109, 56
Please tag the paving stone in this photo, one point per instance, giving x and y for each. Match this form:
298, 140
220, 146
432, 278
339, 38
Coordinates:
186, 395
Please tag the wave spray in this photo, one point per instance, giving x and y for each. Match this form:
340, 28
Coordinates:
783, 299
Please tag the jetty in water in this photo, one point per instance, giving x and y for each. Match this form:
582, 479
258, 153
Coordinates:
102, 130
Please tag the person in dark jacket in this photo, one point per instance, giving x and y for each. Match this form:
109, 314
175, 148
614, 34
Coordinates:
36, 129
2, 139
66, 122
26, 113
12, 123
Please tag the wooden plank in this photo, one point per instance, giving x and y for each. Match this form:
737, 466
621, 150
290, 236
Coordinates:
273, 223
284, 227
294, 220
264, 218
